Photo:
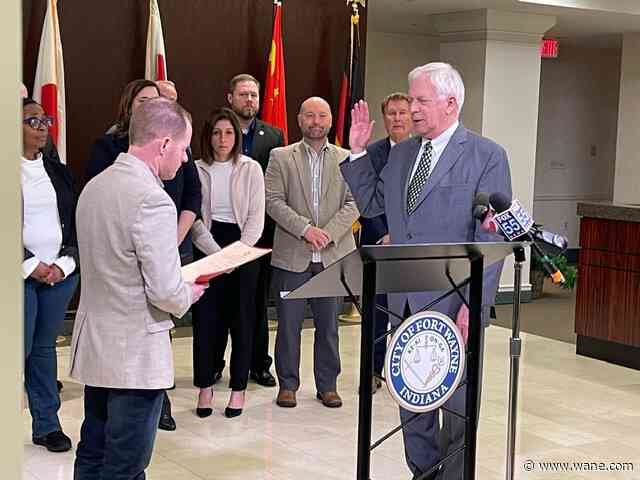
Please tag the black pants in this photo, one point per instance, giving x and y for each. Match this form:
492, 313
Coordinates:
228, 305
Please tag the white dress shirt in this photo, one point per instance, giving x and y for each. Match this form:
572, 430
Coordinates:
439, 144
316, 164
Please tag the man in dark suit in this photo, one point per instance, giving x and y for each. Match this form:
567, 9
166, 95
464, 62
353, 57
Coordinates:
397, 123
426, 191
258, 139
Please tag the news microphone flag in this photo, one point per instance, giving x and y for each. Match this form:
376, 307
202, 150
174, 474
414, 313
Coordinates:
156, 58
48, 87
514, 222
274, 110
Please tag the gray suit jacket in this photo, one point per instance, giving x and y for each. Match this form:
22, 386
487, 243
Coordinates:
469, 164
290, 204
131, 281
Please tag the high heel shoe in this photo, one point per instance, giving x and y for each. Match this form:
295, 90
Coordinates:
204, 412
231, 412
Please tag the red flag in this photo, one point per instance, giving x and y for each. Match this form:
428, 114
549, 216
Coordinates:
274, 110
156, 60
48, 87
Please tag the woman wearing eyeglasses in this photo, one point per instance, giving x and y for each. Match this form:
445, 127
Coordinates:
49, 271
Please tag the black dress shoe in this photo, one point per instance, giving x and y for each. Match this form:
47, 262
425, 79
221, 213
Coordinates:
166, 420
232, 412
263, 378
204, 412
54, 442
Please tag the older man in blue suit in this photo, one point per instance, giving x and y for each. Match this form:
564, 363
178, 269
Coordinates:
397, 124
426, 191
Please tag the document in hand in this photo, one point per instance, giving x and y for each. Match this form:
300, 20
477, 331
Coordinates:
230, 257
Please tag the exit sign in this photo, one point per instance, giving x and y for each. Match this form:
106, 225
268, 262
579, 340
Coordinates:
549, 48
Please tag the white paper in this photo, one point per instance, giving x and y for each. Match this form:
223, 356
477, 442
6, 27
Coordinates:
230, 257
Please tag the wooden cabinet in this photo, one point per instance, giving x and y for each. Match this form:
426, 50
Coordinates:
607, 318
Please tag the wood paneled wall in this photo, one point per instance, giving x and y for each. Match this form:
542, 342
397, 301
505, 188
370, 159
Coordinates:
207, 42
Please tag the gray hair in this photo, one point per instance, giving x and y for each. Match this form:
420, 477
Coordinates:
445, 79
157, 118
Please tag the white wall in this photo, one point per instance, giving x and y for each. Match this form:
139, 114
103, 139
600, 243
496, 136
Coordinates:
10, 250
577, 134
390, 57
627, 169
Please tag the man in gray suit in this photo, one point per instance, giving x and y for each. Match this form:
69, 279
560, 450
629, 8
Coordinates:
426, 191
131, 284
314, 211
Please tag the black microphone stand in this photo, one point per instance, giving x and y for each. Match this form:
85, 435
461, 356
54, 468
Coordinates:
515, 347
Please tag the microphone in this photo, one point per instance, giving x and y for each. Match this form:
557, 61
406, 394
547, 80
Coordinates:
554, 240
482, 206
515, 223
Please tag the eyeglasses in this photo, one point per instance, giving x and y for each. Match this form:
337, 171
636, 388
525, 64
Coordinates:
37, 122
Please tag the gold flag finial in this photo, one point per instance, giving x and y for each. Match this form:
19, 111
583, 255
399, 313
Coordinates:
355, 16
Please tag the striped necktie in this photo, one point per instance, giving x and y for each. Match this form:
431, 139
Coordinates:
420, 177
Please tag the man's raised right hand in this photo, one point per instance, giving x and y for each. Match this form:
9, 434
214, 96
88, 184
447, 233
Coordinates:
361, 127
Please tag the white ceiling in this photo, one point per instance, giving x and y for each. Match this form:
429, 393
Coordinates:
593, 21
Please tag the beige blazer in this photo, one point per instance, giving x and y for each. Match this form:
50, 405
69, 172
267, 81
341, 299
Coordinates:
247, 203
290, 204
131, 281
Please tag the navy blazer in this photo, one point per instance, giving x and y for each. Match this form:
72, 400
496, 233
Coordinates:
469, 164
184, 189
373, 229
265, 138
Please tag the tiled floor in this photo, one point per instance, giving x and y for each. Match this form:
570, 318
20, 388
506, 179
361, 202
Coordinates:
572, 409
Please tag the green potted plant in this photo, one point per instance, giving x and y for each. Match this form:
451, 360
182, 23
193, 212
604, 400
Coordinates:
537, 274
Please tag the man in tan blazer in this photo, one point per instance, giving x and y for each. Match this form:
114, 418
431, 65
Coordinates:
131, 283
313, 210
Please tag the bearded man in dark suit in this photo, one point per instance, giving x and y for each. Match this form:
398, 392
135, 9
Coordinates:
258, 139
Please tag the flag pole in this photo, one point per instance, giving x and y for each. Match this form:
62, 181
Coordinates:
352, 315
355, 21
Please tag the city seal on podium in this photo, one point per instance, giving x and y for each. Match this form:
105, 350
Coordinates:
424, 362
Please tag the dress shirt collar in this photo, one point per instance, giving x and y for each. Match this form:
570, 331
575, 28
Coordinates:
441, 141
311, 151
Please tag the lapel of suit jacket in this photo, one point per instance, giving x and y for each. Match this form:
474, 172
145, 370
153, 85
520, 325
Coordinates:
329, 166
387, 147
304, 172
452, 152
257, 147
412, 154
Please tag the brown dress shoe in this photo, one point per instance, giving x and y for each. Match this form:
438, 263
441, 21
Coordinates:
286, 398
330, 399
